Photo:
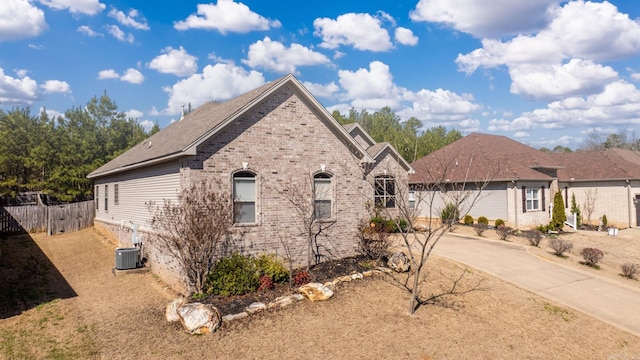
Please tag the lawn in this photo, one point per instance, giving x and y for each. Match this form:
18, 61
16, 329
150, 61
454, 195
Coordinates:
123, 317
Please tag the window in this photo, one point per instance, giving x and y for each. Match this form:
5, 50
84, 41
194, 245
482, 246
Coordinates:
385, 194
115, 194
106, 197
533, 199
244, 198
323, 194
412, 199
97, 197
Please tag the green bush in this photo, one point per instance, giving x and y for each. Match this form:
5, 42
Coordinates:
233, 275
558, 217
390, 226
378, 221
450, 215
273, 267
604, 220
468, 220
498, 222
483, 220
403, 225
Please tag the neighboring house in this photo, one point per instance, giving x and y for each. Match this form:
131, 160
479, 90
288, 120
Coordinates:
252, 146
519, 182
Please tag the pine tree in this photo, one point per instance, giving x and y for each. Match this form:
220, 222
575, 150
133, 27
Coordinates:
559, 217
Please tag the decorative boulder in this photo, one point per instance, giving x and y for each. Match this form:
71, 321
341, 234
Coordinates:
172, 309
198, 318
399, 262
315, 291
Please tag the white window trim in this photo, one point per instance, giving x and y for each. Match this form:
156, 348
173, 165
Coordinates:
531, 200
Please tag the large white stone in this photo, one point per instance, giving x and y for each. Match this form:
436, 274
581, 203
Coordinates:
197, 318
315, 292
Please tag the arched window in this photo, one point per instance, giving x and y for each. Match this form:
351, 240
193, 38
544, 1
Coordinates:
323, 194
385, 191
244, 197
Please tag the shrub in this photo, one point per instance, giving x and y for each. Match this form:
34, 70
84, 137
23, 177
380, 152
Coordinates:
450, 215
377, 221
534, 236
233, 275
403, 225
373, 241
498, 222
483, 220
504, 232
266, 283
629, 270
468, 220
559, 246
301, 277
543, 228
480, 228
558, 217
272, 266
591, 256
576, 210
604, 220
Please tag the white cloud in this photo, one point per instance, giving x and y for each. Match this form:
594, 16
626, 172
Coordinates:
372, 88
274, 56
117, 33
521, 134
635, 76
19, 19
56, 86
323, 91
88, 31
491, 18
132, 76
440, 106
21, 72
17, 91
52, 114
134, 114
147, 125
362, 31
129, 19
405, 37
216, 82
87, 7
577, 77
559, 61
226, 16
108, 74
175, 61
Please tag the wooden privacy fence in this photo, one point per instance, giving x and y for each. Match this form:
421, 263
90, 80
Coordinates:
54, 219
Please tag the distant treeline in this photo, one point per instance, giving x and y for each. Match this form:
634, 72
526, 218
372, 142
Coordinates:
54, 156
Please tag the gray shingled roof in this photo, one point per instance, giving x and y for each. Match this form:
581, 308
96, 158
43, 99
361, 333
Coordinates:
610, 164
181, 137
481, 157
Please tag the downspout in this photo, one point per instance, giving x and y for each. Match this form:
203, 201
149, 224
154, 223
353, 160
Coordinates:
629, 201
515, 198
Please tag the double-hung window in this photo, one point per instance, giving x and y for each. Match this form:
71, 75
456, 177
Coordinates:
323, 194
244, 198
385, 191
106, 198
533, 199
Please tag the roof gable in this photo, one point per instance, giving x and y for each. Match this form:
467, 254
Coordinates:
182, 137
482, 157
355, 129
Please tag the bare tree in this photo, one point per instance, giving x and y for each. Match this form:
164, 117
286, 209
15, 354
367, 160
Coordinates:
589, 205
194, 230
313, 212
433, 193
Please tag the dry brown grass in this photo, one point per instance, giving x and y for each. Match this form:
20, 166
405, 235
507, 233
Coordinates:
122, 318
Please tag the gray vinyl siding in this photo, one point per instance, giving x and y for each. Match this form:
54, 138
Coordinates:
491, 203
135, 189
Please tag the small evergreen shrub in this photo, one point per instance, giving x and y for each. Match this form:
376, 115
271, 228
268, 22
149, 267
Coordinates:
534, 237
604, 220
591, 256
629, 270
560, 246
558, 217
450, 215
543, 228
498, 222
480, 228
233, 275
468, 220
272, 266
504, 232
483, 220
301, 277
403, 225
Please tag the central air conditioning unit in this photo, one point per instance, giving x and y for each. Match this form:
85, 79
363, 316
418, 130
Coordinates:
126, 258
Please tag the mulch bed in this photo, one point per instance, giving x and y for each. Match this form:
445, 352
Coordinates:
323, 272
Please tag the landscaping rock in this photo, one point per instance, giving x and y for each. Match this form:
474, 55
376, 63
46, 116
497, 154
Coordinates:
399, 262
198, 318
345, 278
357, 276
256, 307
367, 273
172, 309
315, 292
231, 317
297, 297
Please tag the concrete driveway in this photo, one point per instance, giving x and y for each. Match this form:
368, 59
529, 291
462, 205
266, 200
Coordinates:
603, 299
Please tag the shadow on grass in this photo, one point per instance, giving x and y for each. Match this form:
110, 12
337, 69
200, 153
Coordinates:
28, 278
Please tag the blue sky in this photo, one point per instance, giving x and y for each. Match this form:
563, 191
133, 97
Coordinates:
543, 72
